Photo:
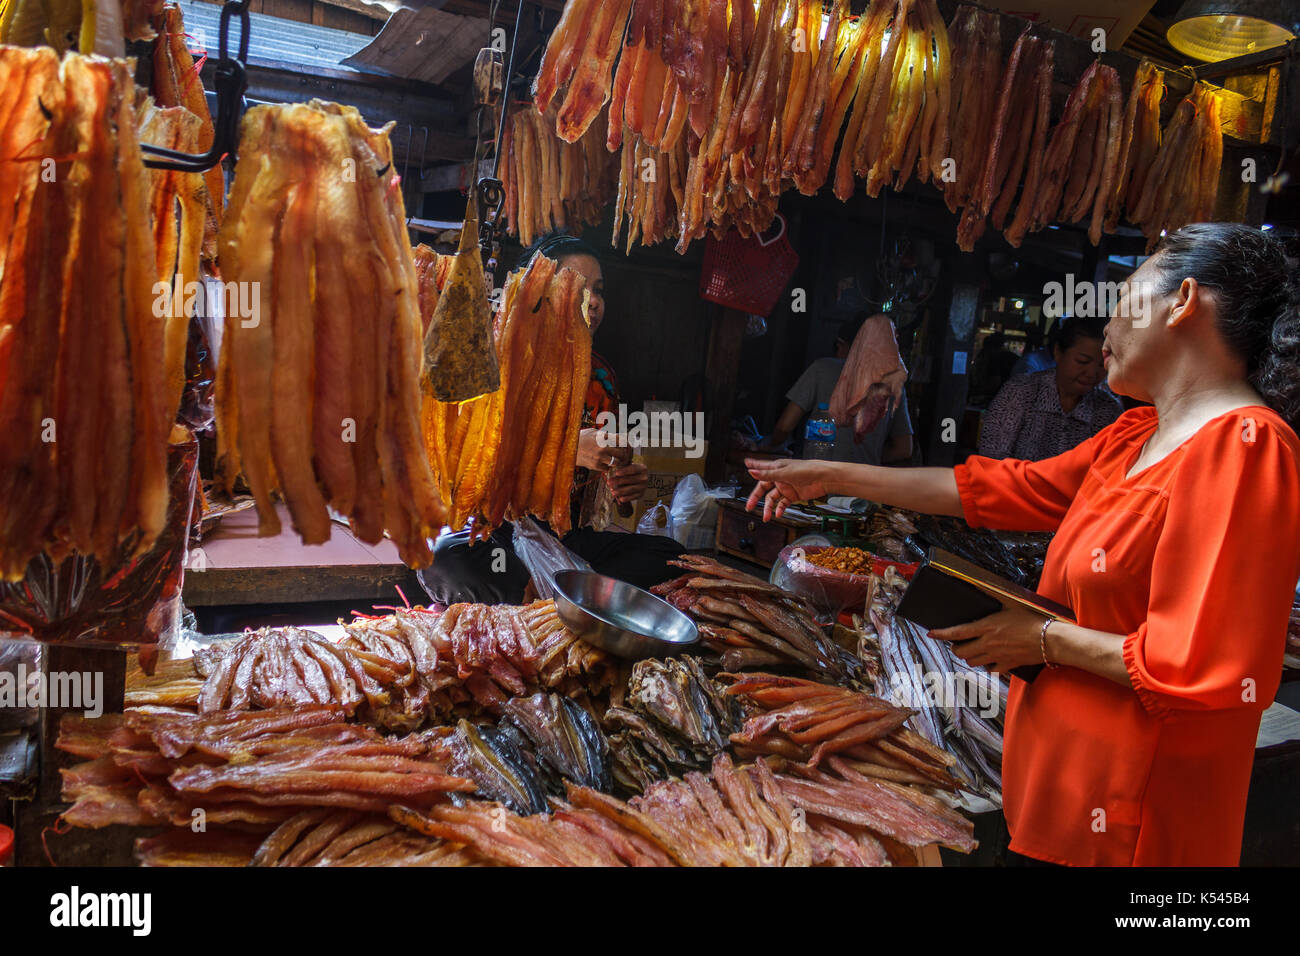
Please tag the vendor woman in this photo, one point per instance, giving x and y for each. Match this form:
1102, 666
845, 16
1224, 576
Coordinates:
1176, 545
490, 572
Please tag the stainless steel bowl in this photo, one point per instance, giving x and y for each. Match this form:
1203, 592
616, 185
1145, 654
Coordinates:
621, 618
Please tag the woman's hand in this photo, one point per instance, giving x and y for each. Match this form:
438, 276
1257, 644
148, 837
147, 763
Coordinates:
595, 456
629, 482
1003, 641
782, 483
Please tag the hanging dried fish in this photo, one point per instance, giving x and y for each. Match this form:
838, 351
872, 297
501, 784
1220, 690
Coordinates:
460, 359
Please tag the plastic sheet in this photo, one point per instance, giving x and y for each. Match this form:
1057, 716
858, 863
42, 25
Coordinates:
135, 602
543, 555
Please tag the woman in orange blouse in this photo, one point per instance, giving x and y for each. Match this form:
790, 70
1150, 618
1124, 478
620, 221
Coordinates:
1176, 546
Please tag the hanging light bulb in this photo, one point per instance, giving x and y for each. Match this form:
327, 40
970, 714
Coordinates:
1214, 30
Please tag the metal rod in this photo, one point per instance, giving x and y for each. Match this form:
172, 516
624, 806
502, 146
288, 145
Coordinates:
505, 91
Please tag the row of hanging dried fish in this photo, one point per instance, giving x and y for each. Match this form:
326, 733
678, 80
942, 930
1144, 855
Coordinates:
718, 106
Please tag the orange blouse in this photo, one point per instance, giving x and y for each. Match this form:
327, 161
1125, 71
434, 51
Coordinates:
1195, 559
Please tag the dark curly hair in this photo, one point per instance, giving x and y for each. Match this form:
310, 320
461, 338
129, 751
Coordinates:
557, 244
1257, 293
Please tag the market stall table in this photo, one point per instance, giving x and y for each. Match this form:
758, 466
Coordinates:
236, 567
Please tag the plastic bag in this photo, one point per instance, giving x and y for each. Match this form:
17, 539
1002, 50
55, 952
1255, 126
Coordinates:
543, 555
828, 590
656, 520
695, 512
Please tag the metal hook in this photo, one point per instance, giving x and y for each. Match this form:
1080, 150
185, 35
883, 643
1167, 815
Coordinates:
230, 81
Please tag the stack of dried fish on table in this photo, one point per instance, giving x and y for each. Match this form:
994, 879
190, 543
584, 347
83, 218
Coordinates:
398, 672
807, 723
673, 718
540, 742
734, 816
254, 767
348, 838
958, 707
750, 623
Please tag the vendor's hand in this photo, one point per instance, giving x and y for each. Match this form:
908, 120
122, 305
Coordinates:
629, 482
597, 453
1003, 641
782, 483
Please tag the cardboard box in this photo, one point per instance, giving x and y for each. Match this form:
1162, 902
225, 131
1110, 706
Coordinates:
1118, 18
667, 467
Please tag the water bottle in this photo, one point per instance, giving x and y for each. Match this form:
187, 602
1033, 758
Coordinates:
819, 434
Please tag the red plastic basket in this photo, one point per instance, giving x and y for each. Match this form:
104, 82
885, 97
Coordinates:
748, 274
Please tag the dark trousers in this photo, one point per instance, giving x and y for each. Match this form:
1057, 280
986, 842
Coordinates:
490, 572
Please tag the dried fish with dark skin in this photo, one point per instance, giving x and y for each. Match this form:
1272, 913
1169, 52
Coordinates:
565, 737
497, 768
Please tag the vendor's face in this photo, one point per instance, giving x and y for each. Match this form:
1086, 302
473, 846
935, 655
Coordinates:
1132, 343
1079, 368
589, 268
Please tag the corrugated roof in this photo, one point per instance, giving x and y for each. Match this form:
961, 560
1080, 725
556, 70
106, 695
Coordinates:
273, 39
426, 44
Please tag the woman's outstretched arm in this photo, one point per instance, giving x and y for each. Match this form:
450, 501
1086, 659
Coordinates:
785, 481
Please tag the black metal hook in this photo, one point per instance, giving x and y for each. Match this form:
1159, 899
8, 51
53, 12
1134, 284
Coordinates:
230, 81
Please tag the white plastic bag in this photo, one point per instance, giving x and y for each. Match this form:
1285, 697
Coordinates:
695, 512
543, 555
656, 520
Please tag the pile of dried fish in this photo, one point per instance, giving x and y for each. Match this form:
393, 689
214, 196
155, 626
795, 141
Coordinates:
397, 672
215, 846
475, 657
348, 838
513, 452
540, 742
550, 184
565, 738
674, 719
959, 707
286, 667
87, 400
808, 723
246, 767
496, 759
735, 816
750, 623
318, 392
